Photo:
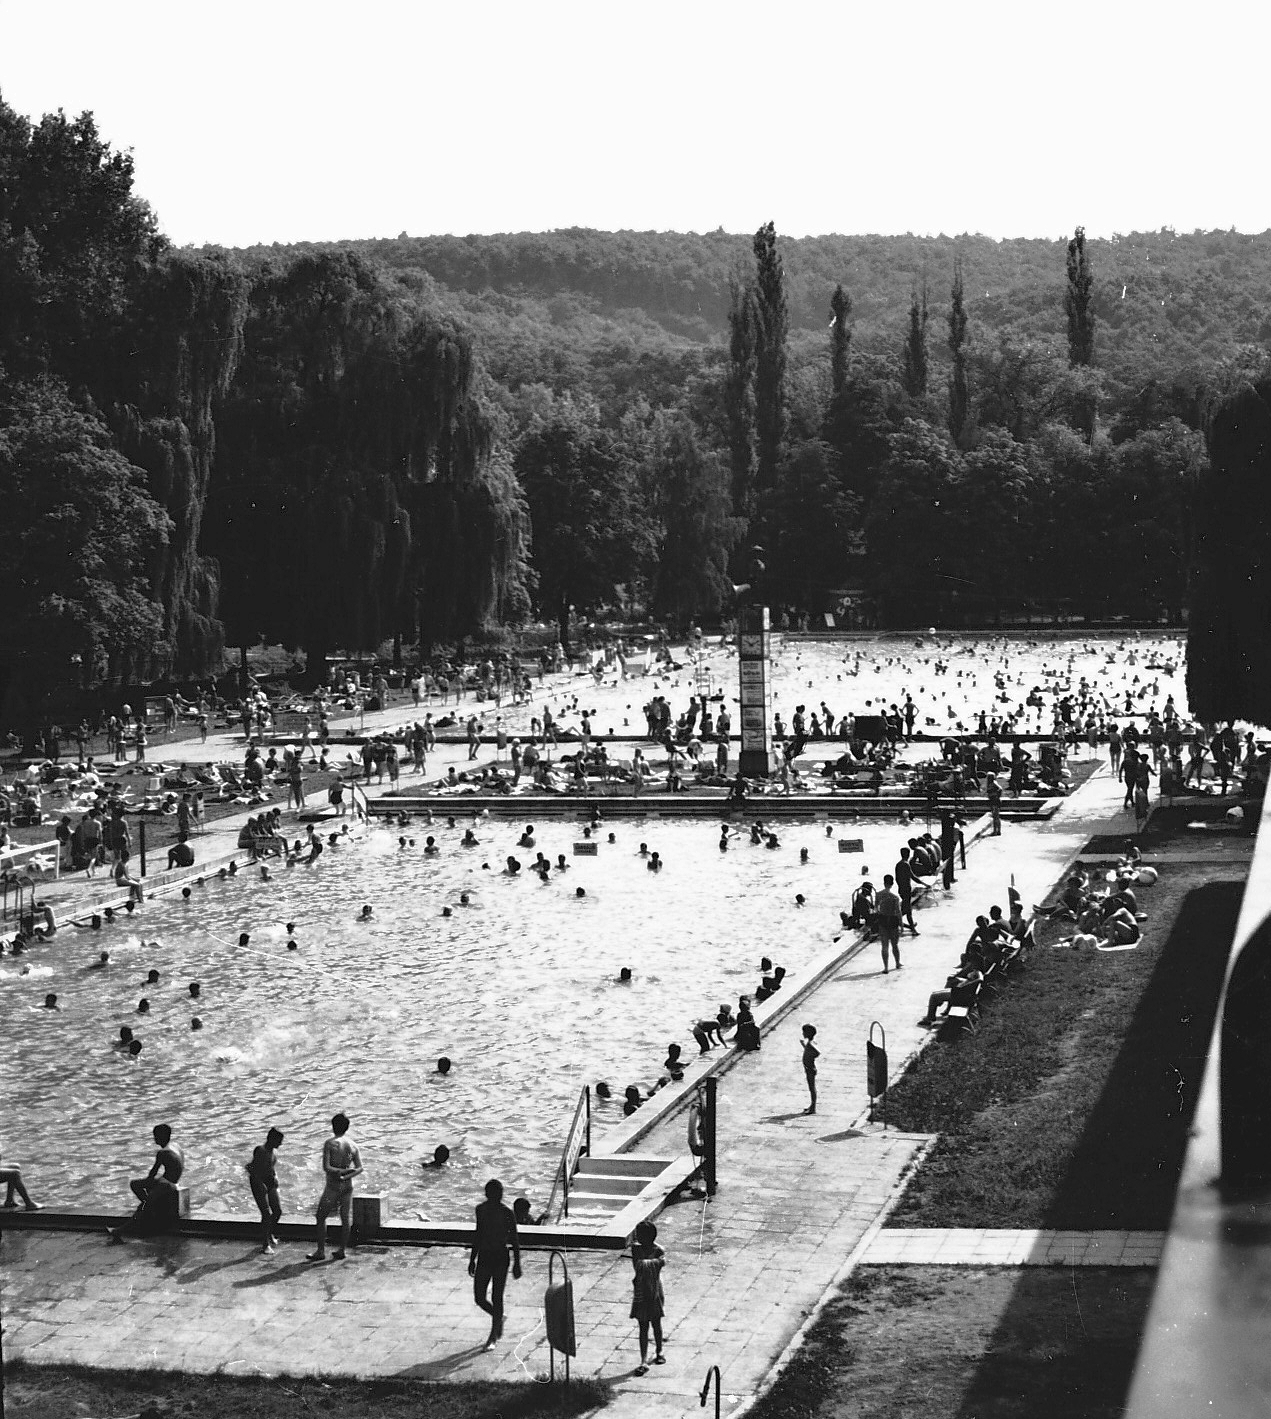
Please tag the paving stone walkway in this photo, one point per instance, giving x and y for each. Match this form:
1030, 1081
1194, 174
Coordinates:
800, 1197
988, 1246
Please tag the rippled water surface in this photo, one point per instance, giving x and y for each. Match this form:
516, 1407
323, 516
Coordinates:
518, 989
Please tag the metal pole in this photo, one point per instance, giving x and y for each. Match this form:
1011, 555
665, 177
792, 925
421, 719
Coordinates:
708, 1137
141, 836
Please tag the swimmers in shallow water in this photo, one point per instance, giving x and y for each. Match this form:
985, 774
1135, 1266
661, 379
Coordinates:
430, 847
512, 869
561, 864
654, 863
367, 913
470, 839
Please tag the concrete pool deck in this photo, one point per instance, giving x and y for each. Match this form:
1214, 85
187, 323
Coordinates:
800, 1199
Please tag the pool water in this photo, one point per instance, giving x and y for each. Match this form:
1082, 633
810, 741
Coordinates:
519, 990
807, 672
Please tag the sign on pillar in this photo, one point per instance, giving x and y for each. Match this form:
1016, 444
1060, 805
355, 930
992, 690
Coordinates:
752, 651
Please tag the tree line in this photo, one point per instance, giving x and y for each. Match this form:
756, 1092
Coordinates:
317, 447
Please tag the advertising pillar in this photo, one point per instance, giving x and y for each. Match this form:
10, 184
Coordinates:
752, 650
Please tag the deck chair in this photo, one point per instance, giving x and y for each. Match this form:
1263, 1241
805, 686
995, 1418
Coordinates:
964, 1009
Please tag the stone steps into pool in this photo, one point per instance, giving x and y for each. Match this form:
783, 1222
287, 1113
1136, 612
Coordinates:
605, 1186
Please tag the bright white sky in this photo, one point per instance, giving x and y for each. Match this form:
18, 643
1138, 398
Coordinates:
259, 120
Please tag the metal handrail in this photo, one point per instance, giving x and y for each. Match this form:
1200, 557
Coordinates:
560, 1184
713, 1372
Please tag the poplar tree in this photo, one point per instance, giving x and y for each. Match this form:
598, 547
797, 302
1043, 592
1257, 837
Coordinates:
959, 397
1079, 307
840, 339
739, 395
772, 326
915, 375
1078, 303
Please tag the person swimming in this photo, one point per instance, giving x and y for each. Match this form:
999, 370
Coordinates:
465, 899
527, 837
367, 913
470, 839
195, 1023
580, 891
440, 1157
430, 847
101, 962
443, 1065
643, 850
125, 1038
561, 864
624, 976
152, 978
654, 863
632, 1100
195, 989
244, 938
143, 1006
512, 868
50, 1002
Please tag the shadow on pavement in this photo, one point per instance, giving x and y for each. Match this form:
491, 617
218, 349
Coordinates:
440, 1369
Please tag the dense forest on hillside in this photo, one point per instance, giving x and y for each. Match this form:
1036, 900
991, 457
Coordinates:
418, 440
1169, 304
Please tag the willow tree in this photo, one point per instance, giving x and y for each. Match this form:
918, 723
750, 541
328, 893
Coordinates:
174, 360
91, 293
357, 493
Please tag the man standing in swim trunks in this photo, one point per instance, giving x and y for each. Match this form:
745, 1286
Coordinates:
341, 1162
488, 1263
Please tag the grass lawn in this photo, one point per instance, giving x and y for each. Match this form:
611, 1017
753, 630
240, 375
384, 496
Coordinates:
58, 1391
1071, 1106
994, 1343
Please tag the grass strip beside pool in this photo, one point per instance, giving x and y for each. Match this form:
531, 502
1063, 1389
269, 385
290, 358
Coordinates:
993, 1343
55, 1391
1071, 1106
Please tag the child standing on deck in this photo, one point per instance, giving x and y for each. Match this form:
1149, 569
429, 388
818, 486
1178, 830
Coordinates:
810, 1056
647, 1300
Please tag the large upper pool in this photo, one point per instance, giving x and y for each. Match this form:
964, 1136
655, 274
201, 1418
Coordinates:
519, 989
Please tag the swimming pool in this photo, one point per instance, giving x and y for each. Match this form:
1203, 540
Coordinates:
519, 990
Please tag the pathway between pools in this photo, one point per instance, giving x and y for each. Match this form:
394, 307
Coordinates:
800, 1199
